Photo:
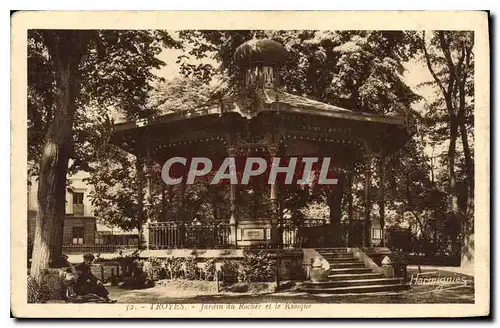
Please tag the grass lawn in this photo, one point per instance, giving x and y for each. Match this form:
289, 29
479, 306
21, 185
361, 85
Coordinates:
206, 292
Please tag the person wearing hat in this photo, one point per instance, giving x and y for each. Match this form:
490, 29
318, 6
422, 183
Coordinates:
87, 283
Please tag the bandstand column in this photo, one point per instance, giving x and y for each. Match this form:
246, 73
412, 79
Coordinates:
368, 159
349, 196
148, 204
143, 233
381, 200
349, 206
233, 220
148, 170
275, 240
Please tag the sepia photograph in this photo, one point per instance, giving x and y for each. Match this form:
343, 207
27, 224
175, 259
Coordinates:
272, 171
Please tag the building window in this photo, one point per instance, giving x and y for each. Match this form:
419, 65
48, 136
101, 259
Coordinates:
78, 198
78, 203
78, 233
376, 233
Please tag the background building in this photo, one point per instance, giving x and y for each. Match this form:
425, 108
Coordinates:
82, 231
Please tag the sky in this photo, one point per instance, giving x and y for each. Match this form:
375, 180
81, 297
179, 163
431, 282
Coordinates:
171, 70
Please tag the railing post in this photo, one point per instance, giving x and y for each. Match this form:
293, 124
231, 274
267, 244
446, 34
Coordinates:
367, 201
381, 200
145, 229
182, 234
273, 196
215, 235
277, 269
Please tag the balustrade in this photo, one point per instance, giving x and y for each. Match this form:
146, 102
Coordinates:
310, 233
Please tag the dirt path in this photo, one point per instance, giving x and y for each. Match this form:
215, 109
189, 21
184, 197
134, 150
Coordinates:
189, 292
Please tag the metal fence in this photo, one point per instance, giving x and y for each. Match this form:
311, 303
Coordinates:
313, 233
165, 235
310, 233
104, 248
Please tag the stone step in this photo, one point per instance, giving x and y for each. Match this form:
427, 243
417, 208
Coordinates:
331, 250
339, 265
338, 256
354, 276
341, 260
349, 270
357, 289
347, 283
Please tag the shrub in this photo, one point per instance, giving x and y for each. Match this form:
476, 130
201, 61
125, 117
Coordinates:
399, 239
399, 263
155, 269
229, 272
173, 267
209, 271
240, 287
128, 264
50, 288
191, 270
34, 291
182, 268
260, 267
295, 268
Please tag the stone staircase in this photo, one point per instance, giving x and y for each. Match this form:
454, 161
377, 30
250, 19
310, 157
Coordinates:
349, 275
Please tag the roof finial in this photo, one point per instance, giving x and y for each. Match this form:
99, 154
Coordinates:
258, 35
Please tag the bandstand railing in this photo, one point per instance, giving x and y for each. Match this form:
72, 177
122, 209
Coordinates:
165, 235
306, 234
317, 234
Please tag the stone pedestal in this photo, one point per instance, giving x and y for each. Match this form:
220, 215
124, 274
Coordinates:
144, 240
387, 267
254, 232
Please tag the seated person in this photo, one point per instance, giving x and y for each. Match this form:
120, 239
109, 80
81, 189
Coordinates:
135, 277
86, 283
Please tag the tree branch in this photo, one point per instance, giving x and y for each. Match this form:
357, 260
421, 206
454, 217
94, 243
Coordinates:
419, 221
429, 66
445, 47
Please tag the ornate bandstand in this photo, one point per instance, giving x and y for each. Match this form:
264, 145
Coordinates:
261, 119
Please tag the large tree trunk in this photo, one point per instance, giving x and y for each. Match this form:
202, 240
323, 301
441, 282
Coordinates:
467, 251
469, 170
452, 183
47, 246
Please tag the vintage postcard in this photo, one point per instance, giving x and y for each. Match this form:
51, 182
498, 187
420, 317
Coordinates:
250, 164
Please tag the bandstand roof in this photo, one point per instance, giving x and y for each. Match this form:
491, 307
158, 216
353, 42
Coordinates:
395, 129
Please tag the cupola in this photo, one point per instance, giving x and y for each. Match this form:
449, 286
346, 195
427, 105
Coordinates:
260, 59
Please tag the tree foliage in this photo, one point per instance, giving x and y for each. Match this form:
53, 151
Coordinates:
116, 74
181, 95
362, 69
70, 74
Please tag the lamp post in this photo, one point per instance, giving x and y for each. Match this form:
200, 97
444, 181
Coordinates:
376, 233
